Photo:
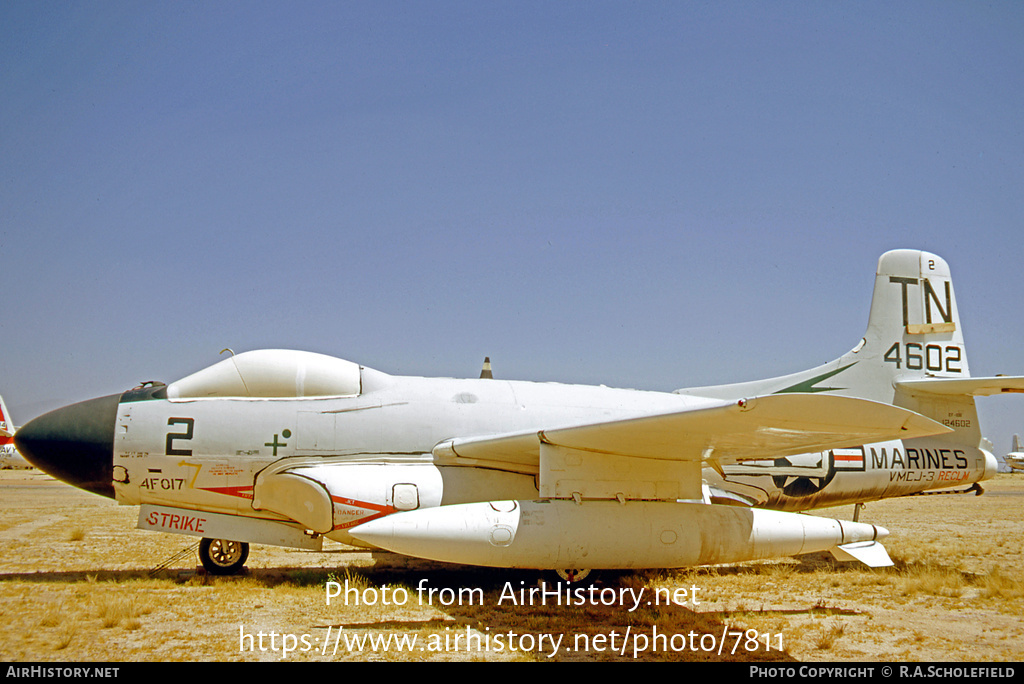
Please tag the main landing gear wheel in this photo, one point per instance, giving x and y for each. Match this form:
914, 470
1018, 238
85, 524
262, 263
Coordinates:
223, 556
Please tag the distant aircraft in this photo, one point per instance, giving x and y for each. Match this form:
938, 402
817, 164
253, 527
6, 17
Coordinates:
1015, 459
9, 456
288, 448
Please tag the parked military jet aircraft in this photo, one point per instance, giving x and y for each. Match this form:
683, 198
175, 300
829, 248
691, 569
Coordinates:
287, 448
1015, 459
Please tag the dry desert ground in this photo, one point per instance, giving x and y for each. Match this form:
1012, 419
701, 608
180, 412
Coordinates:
78, 582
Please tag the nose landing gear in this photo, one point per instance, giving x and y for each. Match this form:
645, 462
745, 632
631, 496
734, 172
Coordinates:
223, 556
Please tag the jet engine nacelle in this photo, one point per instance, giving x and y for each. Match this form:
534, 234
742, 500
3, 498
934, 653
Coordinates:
329, 497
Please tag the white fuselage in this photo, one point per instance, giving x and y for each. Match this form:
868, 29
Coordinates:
212, 454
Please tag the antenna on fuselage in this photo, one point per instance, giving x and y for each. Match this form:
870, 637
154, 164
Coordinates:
486, 371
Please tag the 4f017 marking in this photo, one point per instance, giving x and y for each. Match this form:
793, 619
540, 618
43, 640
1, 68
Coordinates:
931, 357
164, 483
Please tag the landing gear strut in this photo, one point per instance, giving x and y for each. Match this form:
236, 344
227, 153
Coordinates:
222, 556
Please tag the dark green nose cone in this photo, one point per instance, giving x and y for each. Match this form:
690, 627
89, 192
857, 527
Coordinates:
74, 444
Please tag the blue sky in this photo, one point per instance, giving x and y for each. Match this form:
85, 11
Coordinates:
650, 195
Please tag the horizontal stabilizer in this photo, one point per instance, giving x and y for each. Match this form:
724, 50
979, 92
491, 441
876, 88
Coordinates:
964, 387
871, 554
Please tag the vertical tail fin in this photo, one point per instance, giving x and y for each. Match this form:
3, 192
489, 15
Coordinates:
914, 321
6, 424
913, 331
912, 354
9, 457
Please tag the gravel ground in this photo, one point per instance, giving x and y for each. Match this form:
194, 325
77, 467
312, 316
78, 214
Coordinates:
78, 582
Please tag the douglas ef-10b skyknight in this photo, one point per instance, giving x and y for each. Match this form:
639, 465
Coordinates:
288, 448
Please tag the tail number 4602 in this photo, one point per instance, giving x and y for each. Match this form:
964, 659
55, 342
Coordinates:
931, 357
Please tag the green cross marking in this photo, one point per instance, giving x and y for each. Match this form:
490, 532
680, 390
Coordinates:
275, 443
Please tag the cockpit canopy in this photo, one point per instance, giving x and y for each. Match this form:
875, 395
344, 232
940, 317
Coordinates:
271, 373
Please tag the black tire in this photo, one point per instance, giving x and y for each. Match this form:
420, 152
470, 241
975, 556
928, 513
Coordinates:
223, 556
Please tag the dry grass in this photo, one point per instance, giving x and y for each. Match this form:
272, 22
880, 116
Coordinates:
1000, 585
828, 635
115, 610
932, 579
956, 593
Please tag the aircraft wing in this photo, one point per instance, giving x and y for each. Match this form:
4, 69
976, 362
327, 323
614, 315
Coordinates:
651, 457
719, 432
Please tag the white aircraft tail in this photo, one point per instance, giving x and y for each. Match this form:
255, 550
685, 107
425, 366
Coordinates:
912, 354
1016, 444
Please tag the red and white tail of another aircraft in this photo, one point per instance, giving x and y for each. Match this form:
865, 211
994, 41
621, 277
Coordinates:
9, 456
